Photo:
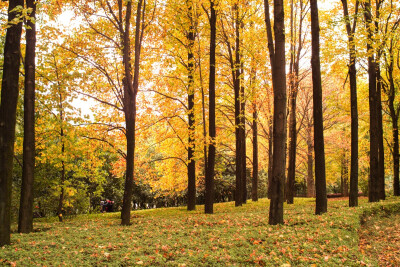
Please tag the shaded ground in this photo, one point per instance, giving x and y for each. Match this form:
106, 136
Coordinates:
380, 239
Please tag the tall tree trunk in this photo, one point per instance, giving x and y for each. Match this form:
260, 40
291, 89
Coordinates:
254, 181
130, 92
203, 107
270, 155
310, 166
353, 196
243, 135
344, 176
394, 115
191, 202
8, 110
289, 193
25, 219
62, 183
373, 183
209, 179
62, 172
277, 57
320, 177
238, 131
381, 153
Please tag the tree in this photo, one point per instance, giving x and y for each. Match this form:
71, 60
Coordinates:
191, 203
293, 90
209, 179
277, 60
25, 219
8, 108
320, 177
389, 85
131, 87
373, 182
350, 29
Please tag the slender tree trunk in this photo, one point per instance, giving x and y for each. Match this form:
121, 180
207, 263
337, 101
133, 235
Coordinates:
191, 202
344, 176
381, 154
373, 183
238, 131
394, 115
25, 219
254, 181
209, 180
277, 57
395, 131
320, 177
8, 109
353, 196
289, 193
270, 155
62, 183
203, 108
130, 93
243, 136
62, 172
310, 166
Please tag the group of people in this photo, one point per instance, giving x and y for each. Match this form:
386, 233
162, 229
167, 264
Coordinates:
106, 206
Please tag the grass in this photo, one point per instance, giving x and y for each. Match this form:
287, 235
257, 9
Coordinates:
175, 237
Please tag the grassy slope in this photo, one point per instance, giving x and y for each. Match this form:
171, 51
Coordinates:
173, 236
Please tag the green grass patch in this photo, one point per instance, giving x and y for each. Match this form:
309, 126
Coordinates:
175, 237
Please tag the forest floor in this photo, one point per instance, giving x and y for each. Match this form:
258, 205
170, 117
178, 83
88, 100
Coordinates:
380, 238
240, 236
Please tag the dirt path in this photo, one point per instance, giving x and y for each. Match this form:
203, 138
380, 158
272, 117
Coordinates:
380, 239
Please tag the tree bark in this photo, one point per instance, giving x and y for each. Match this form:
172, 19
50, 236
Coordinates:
25, 219
130, 92
238, 126
254, 181
62, 172
270, 155
277, 58
294, 86
373, 183
243, 135
191, 202
344, 176
394, 115
320, 177
353, 196
310, 166
209, 179
381, 151
8, 109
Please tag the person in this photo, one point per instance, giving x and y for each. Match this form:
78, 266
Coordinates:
110, 204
